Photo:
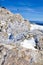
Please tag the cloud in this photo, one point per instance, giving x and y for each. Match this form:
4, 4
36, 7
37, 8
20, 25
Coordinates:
26, 12
23, 9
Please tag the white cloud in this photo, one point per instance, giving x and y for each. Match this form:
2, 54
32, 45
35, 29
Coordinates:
24, 9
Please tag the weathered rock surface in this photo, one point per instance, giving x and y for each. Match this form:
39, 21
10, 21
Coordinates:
14, 29
12, 26
17, 55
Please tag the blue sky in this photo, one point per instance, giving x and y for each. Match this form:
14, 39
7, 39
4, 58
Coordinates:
29, 9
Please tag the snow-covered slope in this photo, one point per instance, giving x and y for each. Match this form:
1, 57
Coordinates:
35, 26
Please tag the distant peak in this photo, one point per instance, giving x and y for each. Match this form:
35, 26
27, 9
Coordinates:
3, 7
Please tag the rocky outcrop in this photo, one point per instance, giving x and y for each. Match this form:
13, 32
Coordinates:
41, 41
15, 30
12, 26
17, 55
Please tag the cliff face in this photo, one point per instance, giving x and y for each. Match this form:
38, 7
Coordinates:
19, 43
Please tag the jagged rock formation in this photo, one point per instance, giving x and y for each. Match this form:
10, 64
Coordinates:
12, 22
14, 30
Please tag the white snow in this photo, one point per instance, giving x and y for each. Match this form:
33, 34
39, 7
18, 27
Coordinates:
29, 44
35, 26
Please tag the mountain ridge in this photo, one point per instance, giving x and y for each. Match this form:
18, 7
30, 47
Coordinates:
20, 41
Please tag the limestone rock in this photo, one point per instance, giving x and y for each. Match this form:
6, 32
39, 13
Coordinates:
19, 55
14, 29
13, 26
41, 41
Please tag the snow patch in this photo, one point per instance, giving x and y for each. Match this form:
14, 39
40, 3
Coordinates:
34, 26
29, 44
